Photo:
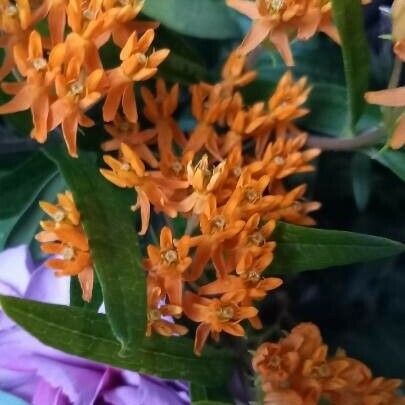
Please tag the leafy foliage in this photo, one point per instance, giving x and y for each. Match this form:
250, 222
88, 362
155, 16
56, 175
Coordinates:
107, 221
87, 334
300, 248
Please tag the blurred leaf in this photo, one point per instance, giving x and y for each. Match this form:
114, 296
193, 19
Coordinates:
20, 187
199, 18
27, 226
184, 64
392, 159
108, 223
361, 180
201, 395
6, 227
348, 17
87, 334
301, 248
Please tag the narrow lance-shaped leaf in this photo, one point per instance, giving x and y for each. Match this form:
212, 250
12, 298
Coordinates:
348, 18
108, 224
204, 19
301, 249
87, 334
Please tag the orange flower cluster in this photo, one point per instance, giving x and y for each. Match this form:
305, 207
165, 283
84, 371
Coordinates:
280, 21
226, 178
298, 371
62, 75
394, 97
64, 237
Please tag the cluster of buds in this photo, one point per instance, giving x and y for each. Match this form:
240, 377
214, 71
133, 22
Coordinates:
62, 75
226, 179
63, 237
298, 370
281, 21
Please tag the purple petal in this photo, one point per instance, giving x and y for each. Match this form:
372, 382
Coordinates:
44, 286
15, 267
46, 394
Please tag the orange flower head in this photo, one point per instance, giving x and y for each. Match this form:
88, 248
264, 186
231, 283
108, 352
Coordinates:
136, 66
215, 316
63, 235
156, 314
169, 262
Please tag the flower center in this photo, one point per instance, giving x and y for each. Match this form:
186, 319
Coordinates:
123, 2
257, 239
68, 253
154, 315
11, 10
89, 14
170, 256
124, 126
59, 216
253, 276
279, 160
126, 167
218, 223
321, 371
275, 362
177, 167
251, 195
275, 5
142, 59
39, 63
297, 206
76, 88
225, 314
237, 171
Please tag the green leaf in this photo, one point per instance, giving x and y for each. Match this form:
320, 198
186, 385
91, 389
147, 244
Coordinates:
392, 159
20, 187
348, 17
87, 334
108, 223
361, 180
76, 295
301, 248
198, 18
202, 395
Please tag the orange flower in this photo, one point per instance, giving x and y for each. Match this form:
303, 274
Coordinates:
135, 67
63, 235
126, 132
56, 16
129, 172
35, 92
16, 20
215, 316
155, 315
280, 20
77, 91
204, 182
284, 106
169, 262
159, 110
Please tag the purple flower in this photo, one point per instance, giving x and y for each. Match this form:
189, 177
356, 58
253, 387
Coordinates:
42, 375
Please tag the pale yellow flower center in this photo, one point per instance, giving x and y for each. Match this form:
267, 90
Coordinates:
297, 206
68, 253
279, 160
275, 362
59, 216
237, 171
225, 314
257, 239
89, 14
11, 10
253, 276
251, 195
170, 256
39, 63
321, 371
142, 59
177, 167
218, 223
126, 167
76, 88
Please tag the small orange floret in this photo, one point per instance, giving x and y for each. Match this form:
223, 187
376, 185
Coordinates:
63, 236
